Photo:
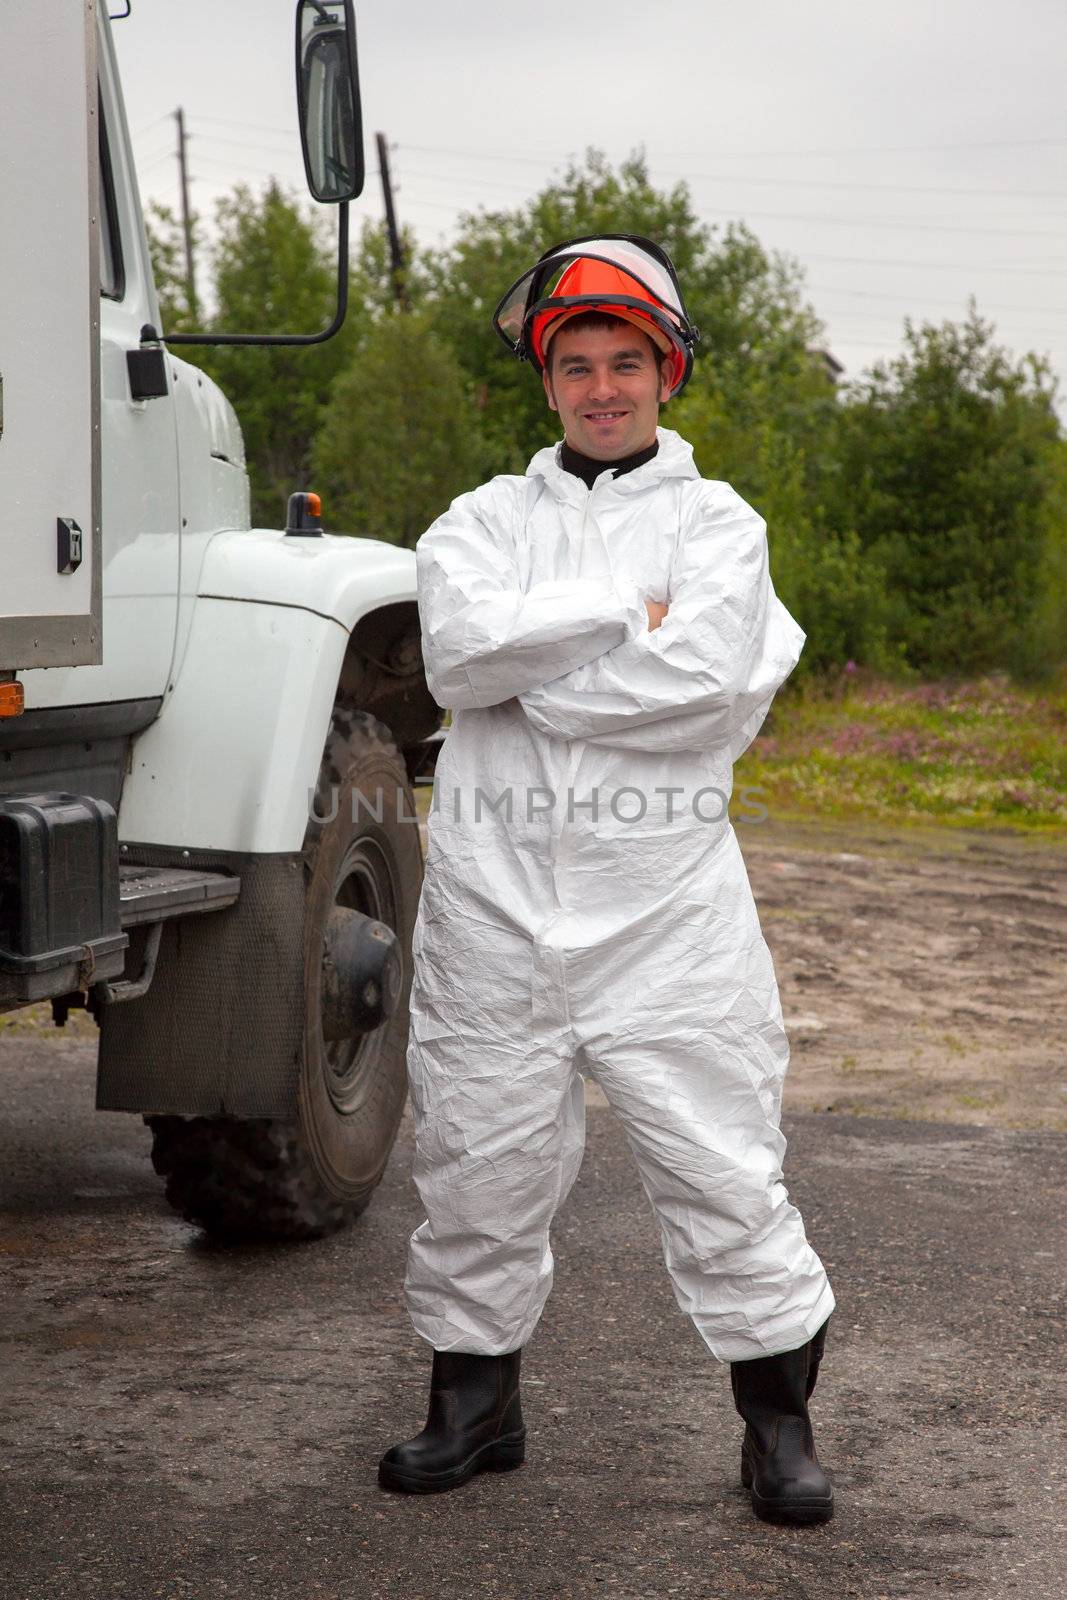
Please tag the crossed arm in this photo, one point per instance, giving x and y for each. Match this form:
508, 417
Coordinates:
486, 640
593, 659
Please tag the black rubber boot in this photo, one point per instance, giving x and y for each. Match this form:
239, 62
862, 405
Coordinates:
474, 1425
778, 1460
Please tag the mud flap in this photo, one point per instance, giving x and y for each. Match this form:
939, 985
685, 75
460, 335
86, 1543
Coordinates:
220, 1030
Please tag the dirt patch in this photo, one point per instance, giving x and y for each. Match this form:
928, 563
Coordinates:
923, 972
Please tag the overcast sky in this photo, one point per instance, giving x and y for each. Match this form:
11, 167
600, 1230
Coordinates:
909, 155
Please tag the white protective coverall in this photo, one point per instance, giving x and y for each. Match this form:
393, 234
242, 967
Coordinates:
611, 934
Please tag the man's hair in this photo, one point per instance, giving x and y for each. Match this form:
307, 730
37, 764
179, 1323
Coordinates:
594, 321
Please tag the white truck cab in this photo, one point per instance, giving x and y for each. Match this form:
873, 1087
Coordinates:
208, 733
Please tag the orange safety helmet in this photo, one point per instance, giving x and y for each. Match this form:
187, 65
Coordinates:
619, 274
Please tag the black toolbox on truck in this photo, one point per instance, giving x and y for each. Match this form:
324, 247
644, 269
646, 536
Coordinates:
59, 895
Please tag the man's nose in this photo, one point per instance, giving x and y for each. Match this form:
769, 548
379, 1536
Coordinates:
604, 384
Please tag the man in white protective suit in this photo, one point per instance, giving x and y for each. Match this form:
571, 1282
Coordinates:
605, 632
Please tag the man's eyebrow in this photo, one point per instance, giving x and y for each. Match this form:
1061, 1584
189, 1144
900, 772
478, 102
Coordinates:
619, 355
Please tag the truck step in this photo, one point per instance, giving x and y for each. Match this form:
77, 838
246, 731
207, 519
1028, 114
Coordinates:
152, 894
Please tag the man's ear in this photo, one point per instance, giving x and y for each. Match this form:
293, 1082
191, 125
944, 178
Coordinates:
547, 381
664, 382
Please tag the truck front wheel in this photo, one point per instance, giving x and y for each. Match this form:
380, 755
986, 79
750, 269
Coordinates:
297, 1179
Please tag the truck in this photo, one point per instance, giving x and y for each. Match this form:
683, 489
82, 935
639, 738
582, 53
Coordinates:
210, 733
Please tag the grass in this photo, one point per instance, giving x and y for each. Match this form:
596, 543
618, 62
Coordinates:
35, 1022
983, 753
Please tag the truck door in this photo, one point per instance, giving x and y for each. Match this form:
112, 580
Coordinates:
138, 458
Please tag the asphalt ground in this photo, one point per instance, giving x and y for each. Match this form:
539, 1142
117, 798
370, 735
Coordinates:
181, 1420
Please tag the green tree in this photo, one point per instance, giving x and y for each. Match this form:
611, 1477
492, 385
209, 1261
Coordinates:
821, 574
945, 466
917, 519
747, 304
1042, 649
166, 247
758, 407
399, 438
273, 272
372, 291
272, 269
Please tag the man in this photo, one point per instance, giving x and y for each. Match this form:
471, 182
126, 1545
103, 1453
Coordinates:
606, 634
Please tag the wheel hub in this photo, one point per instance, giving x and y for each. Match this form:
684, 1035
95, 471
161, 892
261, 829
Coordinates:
361, 975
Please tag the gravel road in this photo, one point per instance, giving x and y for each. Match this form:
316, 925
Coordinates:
182, 1421
179, 1420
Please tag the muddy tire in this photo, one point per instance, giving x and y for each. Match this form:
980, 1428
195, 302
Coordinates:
268, 1179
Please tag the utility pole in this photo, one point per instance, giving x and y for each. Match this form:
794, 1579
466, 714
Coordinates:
187, 221
396, 250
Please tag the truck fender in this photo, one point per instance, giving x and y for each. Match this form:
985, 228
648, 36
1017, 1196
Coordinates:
283, 630
231, 762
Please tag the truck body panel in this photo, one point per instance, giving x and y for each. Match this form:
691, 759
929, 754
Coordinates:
140, 509
49, 335
213, 482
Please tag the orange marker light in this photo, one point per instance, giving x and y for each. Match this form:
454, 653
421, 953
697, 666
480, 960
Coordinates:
12, 700
315, 505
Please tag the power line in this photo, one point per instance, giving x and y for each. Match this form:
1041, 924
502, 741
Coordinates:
223, 163
783, 182
437, 205
723, 178
872, 294
752, 155
151, 161
245, 167
936, 266
558, 154
498, 184
164, 116
896, 188
292, 145
483, 155
740, 213
872, 150
481, 183
237, 122
883, 317
163, 149
1053, 269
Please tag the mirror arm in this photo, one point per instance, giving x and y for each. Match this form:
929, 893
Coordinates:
289, 338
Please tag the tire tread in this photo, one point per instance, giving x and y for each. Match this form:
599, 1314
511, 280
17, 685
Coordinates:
254, 1179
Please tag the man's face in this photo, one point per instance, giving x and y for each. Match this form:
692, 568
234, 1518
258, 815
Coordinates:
606, 385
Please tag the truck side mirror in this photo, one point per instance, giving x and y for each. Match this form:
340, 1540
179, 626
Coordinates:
331, 132
327, 92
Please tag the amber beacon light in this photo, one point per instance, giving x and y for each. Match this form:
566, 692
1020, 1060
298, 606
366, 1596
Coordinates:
12, 699
304, 515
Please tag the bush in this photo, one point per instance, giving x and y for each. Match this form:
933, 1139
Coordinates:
399, 438
946, 466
